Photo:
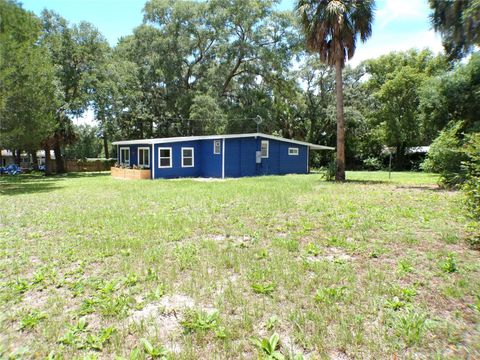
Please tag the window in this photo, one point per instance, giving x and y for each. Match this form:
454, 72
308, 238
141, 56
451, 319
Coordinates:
264, 149
165, 157
187, 157
217, 146
125, 156
144, 157
292, 151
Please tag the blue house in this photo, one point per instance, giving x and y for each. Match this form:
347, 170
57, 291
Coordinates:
217, 156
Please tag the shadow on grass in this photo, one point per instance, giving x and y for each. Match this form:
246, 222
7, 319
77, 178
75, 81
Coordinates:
426, 187
38, 182
368, 182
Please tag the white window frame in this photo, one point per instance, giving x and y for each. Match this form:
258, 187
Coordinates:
193, 157
148, 157
268, 148
163, 157
122, 159
215, 142
293, 151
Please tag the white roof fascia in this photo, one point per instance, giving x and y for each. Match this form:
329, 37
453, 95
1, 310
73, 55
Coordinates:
217, 137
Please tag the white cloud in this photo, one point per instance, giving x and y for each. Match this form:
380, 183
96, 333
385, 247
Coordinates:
401, 10
426, 39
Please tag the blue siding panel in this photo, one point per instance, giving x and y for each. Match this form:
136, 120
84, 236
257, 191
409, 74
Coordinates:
280, 163
177, 170
211, 163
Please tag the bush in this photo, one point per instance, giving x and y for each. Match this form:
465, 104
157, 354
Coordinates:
446, 155
471, 186
330, 170
372, 163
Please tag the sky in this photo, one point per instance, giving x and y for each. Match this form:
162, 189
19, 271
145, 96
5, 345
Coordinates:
399, 24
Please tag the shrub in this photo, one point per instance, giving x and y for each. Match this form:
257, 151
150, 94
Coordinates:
471, 186
472, 177
372, 163
330, 170
446, 155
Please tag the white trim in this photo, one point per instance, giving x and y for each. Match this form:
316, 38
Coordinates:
308, 160
193, 157
268, 148
160, 158
293, 151
152, 168
223, 158
138, 155
219, 148
129, 153
220, 137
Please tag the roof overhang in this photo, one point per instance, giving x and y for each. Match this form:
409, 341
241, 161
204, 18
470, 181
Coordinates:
215, 137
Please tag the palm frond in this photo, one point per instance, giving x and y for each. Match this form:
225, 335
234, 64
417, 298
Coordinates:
331, 27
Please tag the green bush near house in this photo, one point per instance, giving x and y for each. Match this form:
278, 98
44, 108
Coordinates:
446, 155
471, 186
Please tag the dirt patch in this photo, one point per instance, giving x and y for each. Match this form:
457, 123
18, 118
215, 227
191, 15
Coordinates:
163, 318
330, 254
242, 240
338, 355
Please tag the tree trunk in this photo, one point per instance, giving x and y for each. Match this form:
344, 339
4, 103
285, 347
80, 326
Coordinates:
48, 170
105, 145
34, 159
340, 175
60, 168
16, 154
1, 160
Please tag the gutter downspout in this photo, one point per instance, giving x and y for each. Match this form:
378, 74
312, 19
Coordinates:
223, 158
152, 166
308, 159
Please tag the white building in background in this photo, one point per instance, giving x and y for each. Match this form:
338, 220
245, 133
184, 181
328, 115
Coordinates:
25, 159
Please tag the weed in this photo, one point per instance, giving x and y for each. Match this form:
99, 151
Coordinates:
312, 249
271, 322
449, 265
200, 321
155, 352
405, 266
80, 337
395, 304
262, 254
157, 293
269, 347
264, 289
411, 326
186, 255
31, 319
130, 280
330, 295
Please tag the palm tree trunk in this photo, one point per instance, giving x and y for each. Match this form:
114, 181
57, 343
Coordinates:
48, 169
59, 165
105, 145
340, 175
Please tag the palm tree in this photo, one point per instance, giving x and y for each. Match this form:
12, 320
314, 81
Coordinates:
331, 28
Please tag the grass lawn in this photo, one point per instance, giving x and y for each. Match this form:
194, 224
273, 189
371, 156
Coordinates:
94, 267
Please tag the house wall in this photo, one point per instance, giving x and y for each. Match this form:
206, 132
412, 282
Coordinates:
211, 164
240, 158
177, 170
280, 163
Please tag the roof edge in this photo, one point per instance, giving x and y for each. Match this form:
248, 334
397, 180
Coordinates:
213, 137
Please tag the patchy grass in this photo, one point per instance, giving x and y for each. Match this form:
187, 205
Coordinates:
95, 267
